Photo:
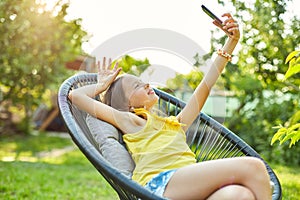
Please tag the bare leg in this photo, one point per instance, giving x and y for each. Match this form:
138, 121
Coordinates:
231, 192
201, 180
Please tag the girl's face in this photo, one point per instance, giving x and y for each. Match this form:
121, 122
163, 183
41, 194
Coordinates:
141, 95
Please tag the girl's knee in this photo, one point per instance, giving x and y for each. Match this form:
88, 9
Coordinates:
240, 192
233, 192
256, 165
257, 171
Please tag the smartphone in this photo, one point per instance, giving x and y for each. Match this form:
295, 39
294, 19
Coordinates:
212, 15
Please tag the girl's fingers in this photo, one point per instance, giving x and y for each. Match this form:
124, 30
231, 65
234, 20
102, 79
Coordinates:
104, 63
229, 19
107, 67
228, 15
109, 63
116, 66
215, 22
98, 66
221, 27
117, 72
231, 25
228, 26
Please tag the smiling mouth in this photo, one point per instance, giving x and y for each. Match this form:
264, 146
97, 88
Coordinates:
151, 91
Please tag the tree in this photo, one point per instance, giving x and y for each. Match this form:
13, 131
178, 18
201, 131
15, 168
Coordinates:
35, 44
268, 35
131, 65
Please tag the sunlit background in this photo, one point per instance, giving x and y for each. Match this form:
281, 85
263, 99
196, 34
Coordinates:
103, 19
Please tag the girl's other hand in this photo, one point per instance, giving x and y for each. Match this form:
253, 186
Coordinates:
229, 26
107, 74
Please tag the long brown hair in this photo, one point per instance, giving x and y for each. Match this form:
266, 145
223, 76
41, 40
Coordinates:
115, 95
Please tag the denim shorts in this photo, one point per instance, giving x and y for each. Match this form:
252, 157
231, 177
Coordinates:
158, 183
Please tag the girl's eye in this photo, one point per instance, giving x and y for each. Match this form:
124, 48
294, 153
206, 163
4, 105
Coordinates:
139, 84
136, 86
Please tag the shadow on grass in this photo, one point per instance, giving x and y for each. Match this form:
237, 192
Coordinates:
68, 175
15, 147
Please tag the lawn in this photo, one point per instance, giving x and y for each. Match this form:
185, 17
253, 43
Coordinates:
44, 166
48, 167
289, 177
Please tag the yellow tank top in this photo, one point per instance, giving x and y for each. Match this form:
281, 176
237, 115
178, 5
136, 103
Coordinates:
159, 146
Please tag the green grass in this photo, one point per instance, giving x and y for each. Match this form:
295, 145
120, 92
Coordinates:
27, 175
34, 167
289, 177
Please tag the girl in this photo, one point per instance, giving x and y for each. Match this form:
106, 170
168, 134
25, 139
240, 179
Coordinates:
164, 162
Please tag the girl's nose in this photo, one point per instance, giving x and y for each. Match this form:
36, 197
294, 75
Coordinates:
147, 85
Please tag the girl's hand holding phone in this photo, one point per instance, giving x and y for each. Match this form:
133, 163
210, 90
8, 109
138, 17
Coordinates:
229, 26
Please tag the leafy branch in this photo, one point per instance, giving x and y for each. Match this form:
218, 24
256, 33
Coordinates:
291, 130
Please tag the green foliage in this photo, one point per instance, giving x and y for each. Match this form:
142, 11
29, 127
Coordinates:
181, 81
255, 125
284, 134
291, 131
133, 66
269, 33
35, 44
186, 83
294, 64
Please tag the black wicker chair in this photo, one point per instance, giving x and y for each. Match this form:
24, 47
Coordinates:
206, 137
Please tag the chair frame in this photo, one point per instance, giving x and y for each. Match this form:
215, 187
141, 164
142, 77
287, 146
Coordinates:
207, 138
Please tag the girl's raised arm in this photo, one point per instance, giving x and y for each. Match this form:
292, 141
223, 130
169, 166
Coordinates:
83, 97
195, 104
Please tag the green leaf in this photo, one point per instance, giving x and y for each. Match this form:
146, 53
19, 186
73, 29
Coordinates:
284, 134
294, 64
298, 59
287, 137
279, 134
294, 127
291, 56
293, 69
296, 138
278, 127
